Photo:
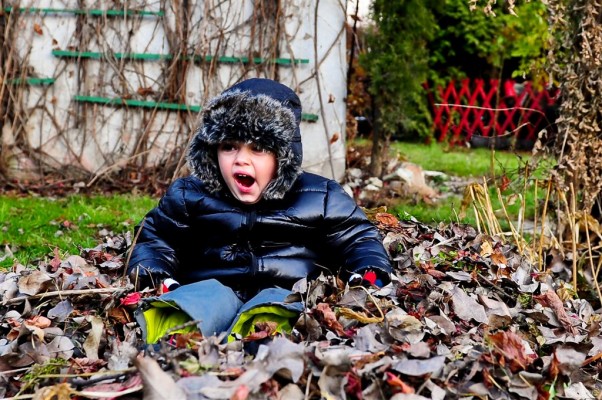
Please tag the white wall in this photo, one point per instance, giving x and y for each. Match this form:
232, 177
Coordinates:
96, 138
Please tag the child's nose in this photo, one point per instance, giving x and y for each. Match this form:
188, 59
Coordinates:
243, 155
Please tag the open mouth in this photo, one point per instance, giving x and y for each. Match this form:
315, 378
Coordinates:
244, 180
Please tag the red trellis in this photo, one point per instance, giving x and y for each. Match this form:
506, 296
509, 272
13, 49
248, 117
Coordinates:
475, 108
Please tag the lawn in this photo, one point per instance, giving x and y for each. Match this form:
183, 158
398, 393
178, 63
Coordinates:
505, 170
31, 228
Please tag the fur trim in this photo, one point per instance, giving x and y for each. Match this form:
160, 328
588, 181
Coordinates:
250, 118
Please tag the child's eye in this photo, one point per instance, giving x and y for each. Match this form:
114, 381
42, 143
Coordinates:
259, 149
227, 147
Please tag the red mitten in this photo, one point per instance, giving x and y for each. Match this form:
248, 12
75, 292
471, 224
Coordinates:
368, 279
169, 285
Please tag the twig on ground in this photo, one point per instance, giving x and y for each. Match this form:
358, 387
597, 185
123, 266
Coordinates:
65, 293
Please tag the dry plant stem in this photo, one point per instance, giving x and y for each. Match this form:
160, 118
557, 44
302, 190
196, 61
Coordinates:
543, 223
533, 249
476, 211
127, 260
492, 161
495, 229
575, 233
490, 108
571, 219
496, 287
104, 395
119, 164
521, 225
322, 111
13, 371
591, 260
65, 293
591, 359
362, 318
308, 386
99, 376
515, 234
487, 227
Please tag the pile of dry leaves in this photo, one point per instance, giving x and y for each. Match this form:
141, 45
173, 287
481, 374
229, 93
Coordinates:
465, 317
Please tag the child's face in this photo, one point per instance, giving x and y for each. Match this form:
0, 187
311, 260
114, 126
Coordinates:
246, 169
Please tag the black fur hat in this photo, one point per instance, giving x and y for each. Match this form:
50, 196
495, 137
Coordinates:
258, 111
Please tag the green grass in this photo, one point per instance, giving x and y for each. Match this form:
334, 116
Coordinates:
459, 161
475, 164
34, 226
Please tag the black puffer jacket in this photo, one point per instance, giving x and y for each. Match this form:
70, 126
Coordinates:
303, 225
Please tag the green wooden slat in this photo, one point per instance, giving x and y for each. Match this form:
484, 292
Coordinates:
309, 117
135, 103
93, 12
32, 81
158, 57
162, 106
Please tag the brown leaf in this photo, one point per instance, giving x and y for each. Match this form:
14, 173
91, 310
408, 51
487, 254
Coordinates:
499, 259
329, 318
486, 249
435, 273
399, 385
144, 91
510, 350
386, 220
35, 283
38, 321
335, 137
38, 29
551, 299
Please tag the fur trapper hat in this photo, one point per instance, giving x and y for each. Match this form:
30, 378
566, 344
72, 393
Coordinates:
259, 111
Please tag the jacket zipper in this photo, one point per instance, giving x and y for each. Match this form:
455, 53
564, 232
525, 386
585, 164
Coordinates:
251, 218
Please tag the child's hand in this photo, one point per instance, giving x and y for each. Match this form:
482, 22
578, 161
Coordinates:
368, 279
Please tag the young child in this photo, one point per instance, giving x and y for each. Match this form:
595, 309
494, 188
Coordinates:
248, 219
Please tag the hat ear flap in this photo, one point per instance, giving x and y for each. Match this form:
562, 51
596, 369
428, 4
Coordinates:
202, 162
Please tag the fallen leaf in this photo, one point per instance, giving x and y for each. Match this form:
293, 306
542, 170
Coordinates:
34, 283
93, 340
329, 318
158, 385
551, 299
465, 307
397, 384
510, 350
38, 29
38, 321
415, 367
486, 249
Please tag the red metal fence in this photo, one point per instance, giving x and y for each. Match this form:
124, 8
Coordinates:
475, 107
